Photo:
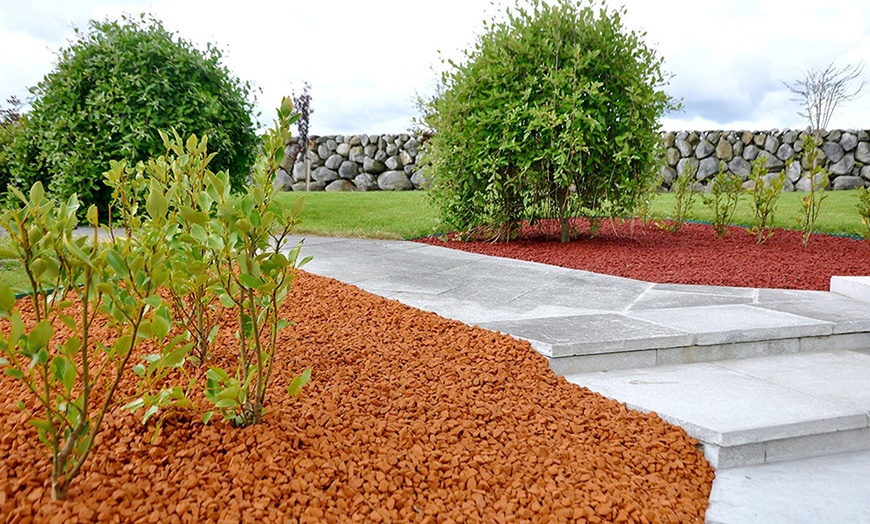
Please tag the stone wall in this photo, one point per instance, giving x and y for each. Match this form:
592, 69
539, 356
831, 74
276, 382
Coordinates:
356, 163
392, 162
845, 154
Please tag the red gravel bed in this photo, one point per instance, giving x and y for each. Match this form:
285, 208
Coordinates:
408, 418
692, 256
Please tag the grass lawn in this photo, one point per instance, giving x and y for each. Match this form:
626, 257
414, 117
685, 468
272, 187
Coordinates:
392, 215
838, 215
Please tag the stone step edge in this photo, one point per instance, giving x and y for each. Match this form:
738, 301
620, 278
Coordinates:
857, 288
791, 448
645, 358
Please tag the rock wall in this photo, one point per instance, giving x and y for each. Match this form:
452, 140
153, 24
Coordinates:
845, 155
393, 162
355, 163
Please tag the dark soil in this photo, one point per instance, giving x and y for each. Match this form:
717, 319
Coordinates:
692, 256
408, 418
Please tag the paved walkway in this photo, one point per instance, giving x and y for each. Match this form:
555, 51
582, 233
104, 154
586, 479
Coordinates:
774, 383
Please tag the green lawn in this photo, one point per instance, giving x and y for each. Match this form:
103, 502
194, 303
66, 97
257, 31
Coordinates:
376, 214
838, 215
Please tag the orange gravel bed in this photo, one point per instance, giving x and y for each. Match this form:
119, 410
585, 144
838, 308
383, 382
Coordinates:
408, 417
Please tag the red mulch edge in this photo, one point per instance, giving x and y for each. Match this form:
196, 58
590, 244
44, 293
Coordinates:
693, 256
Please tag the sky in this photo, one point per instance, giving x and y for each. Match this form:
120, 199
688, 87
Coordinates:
368, 61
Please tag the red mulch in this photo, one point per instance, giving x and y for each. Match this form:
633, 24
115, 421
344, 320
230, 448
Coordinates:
692, 256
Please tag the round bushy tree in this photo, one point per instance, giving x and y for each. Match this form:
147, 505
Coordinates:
109, 94
552, 114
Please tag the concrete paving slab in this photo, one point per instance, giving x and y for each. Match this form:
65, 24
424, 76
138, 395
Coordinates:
847, 316
590, 334
735, 350
587, 290
740, 323
807, 491
709, 290
668, 299
857, 288
721, 406
765, 296
841, 376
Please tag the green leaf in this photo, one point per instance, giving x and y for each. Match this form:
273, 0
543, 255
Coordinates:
297, 383
249, 280
117, 262
225, 403
156, 203
40, 424
160, 326
122, 345
296, 208
14, 373
149, 413
7, 298
139, 370
227, 301
134, 405
176, 358
39, 336
37, 193
193, 216
206, 417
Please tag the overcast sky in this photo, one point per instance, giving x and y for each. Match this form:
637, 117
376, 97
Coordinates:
367, 60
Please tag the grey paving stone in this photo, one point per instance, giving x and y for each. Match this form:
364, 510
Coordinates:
590, 334
857, 288
668, 299
721, 406
808, 491
847, 315
717, 352
740, 323
839, 376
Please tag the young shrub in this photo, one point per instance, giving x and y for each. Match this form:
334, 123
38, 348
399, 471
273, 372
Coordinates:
254, 274
683, 188
724, 194
818, 176
110, 92
553, 114
73, 282
765, 194
864, 210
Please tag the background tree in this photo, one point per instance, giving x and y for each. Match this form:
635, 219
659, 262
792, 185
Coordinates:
11, 124
302, 103
553, 114
109, 94
821, 91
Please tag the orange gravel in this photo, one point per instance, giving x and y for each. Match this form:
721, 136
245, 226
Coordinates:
408, 418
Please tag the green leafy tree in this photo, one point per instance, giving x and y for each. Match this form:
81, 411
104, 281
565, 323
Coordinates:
112, 90
553, 114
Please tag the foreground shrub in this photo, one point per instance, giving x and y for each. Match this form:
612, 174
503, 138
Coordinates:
73, 375
109, 94
552, 114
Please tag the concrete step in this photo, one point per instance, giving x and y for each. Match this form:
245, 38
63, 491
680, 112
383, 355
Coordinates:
757, 410
655, 332
857, 288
